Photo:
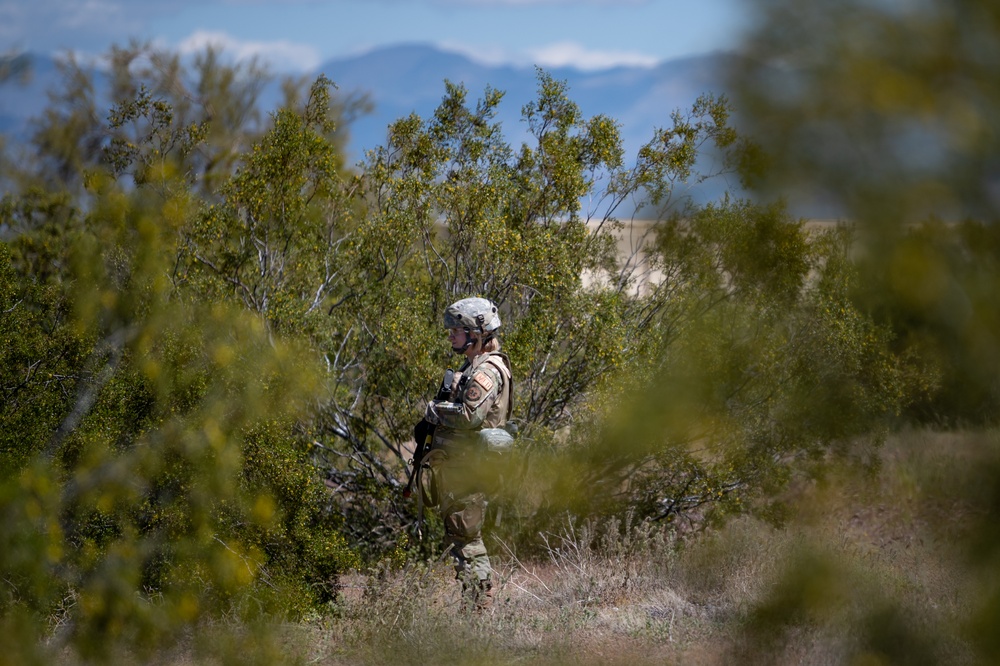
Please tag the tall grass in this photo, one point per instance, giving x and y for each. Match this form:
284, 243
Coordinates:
864, 571
872, 567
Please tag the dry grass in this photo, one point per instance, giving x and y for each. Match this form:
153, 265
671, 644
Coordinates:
863, 563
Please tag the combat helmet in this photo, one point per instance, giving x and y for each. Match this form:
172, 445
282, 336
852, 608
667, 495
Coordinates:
473, 314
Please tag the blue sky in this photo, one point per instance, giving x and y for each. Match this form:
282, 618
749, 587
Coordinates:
299, 35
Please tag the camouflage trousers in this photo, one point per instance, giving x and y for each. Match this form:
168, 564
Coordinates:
449, 483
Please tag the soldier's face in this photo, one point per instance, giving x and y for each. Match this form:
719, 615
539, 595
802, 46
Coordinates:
462, 342
457, 337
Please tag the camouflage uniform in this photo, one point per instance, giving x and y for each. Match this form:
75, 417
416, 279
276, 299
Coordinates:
456, 472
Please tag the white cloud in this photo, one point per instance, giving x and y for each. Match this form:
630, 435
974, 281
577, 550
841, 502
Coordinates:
50, 26
264, 2
281, 55
571, 54
533, 3
469, 3
560, 54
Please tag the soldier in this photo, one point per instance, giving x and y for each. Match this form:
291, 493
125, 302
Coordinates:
455, 474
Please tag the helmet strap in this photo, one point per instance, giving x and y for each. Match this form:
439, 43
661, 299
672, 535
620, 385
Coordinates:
469, 341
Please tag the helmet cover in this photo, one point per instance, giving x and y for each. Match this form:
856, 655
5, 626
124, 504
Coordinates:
475, 314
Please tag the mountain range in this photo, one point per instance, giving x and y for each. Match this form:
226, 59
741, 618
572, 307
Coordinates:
409, 78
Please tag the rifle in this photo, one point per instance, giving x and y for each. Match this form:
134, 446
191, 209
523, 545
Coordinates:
423, 435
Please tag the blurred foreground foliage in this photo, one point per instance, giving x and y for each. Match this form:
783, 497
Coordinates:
888, 113
219, 336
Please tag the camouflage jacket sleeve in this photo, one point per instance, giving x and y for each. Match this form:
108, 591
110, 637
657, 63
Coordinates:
472, 400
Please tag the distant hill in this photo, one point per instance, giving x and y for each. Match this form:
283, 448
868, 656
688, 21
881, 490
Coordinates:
410, 78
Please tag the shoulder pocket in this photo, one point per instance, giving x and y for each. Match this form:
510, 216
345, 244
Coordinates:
480, 387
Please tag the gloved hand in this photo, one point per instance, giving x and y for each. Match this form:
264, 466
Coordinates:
430, 414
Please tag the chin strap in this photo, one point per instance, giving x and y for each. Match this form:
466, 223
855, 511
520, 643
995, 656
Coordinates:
469, 340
